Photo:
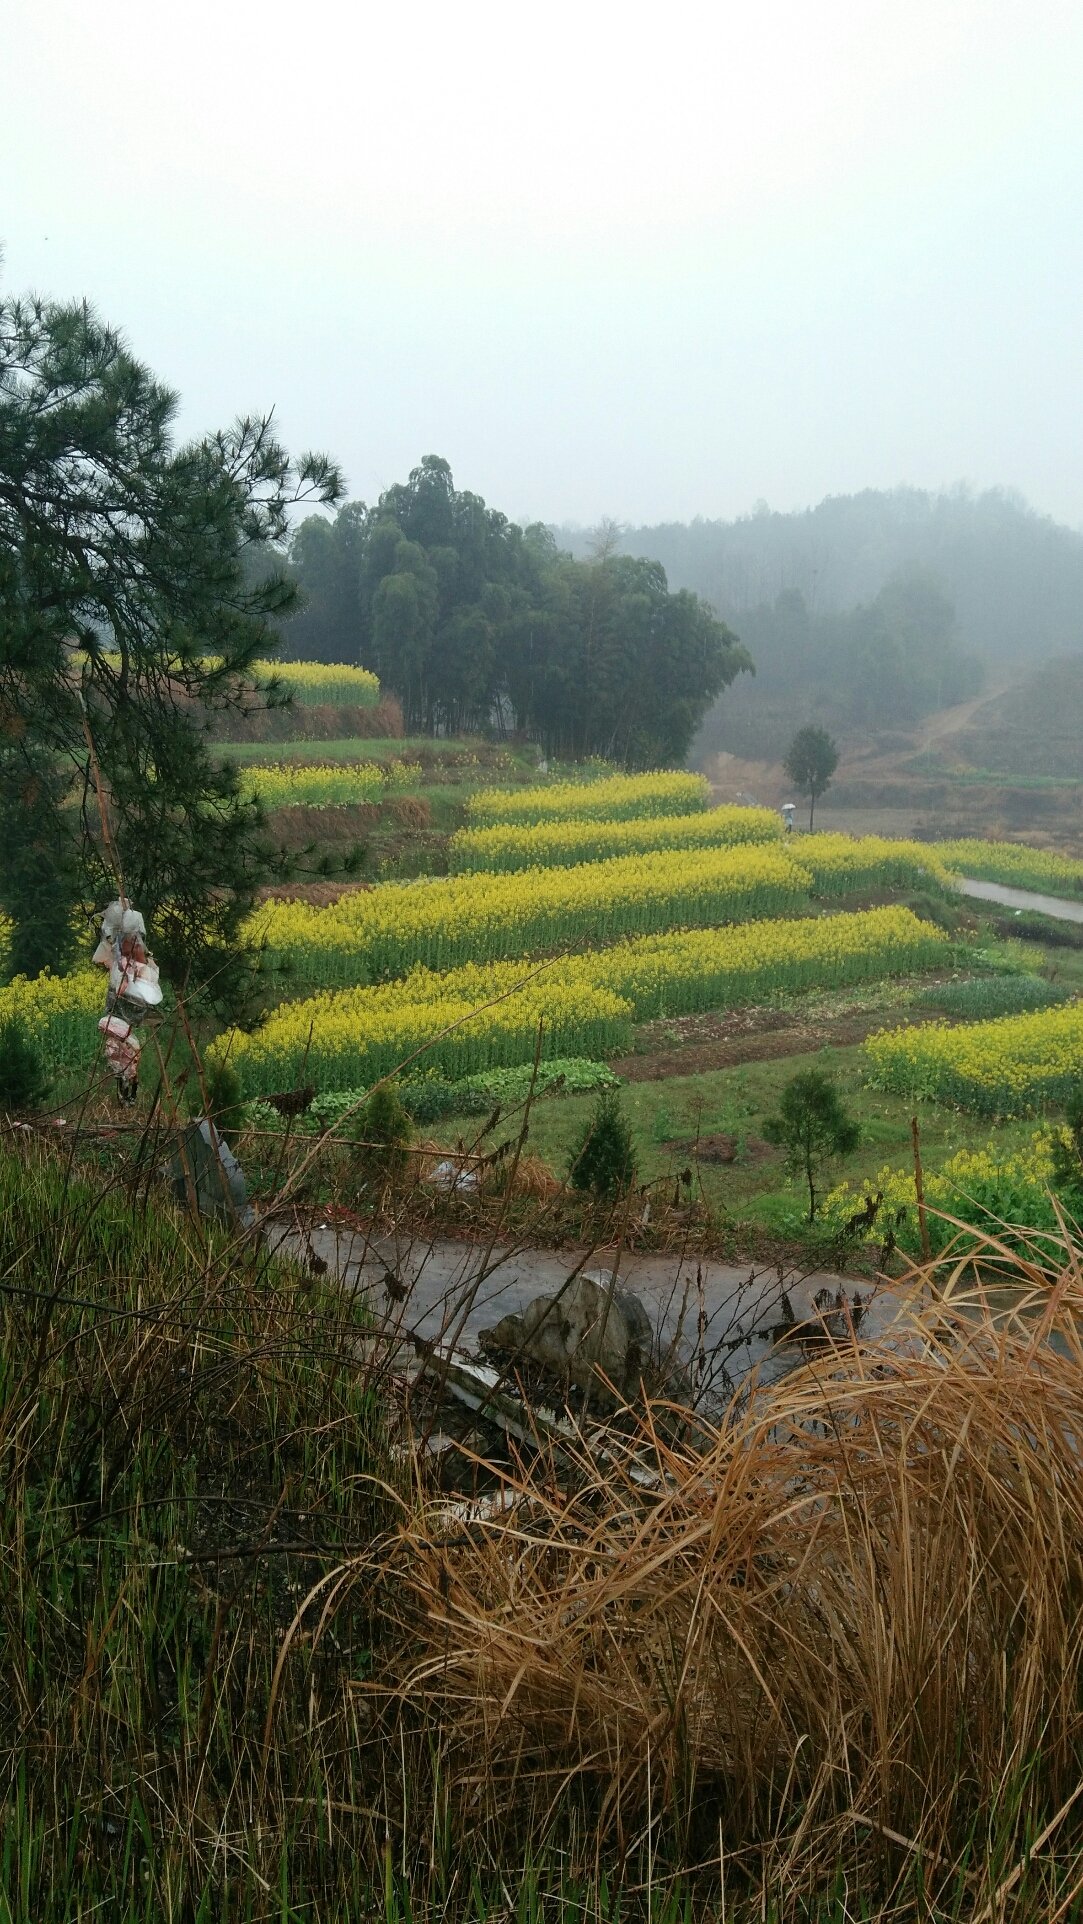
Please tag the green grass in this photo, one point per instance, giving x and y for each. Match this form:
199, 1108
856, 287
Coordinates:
987, 996
186, 1436
355, 748
734, 1102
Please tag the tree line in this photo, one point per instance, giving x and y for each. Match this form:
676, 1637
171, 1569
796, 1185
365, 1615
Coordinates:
476, 623
1014, 577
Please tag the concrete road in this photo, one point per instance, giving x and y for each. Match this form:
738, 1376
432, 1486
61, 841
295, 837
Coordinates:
450, 1291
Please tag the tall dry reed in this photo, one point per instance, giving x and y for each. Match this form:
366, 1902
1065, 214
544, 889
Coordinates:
852, 1609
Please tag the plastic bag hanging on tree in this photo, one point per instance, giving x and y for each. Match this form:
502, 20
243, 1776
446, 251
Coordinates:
133, 989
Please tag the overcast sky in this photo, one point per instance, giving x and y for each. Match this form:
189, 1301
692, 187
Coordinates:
646, 263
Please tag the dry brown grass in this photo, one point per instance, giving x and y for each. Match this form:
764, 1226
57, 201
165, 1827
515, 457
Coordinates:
851, 1611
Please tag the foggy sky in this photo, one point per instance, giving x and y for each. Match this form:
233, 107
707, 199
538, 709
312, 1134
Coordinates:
647, 263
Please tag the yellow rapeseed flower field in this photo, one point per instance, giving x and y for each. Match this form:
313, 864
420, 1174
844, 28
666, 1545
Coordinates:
586, 1002
60, 1012
842, 864
347, 1039
314, 683
615, 798
443, 922
563, 843
326, 784
1014, 1066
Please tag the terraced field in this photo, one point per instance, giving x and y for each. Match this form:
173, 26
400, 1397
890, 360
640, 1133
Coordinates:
618, 919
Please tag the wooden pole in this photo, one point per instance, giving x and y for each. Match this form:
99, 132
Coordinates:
919, 1191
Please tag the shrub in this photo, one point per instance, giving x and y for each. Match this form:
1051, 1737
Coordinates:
603, 1161
225, 1099
385, 1130
23, 1081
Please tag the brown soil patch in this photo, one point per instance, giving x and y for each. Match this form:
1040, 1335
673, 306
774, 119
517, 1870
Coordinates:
765, 1043
719, 1149
318, 895
410, 811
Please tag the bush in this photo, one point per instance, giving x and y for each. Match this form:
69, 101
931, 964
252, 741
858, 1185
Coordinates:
603, 1161
385, 1130
813, 1126
23, 1081
225, 1100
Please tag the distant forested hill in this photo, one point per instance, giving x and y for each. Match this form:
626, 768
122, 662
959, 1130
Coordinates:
1014, 577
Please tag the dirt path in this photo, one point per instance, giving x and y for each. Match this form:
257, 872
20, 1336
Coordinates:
946, 722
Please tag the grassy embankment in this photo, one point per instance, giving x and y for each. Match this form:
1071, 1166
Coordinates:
822, 1664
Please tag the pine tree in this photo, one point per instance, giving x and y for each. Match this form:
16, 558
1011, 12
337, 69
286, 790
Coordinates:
604, 1160
128, 616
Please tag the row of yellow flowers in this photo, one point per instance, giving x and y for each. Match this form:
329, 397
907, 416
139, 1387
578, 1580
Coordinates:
347, 1039
614, 798
59, 1012
314, 683
483, 916
585, 1003
1013, 864
849, 864
371, 934
981, 1188
562, 844
1014, 1066
326, 784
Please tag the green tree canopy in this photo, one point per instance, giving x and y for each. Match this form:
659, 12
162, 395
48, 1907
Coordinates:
811, 760
127, 607
474, 621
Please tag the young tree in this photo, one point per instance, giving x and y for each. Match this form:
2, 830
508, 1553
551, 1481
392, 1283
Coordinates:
813, 1127
603, 1160
127, 614
811, 760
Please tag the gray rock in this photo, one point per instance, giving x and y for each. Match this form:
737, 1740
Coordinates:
205, 1171
586, 1331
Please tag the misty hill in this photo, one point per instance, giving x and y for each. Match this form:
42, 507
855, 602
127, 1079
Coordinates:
1035, 728
1014, 577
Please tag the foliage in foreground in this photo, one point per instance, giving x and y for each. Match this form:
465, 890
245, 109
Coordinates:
820, 1659
185, 1433
834, 1643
